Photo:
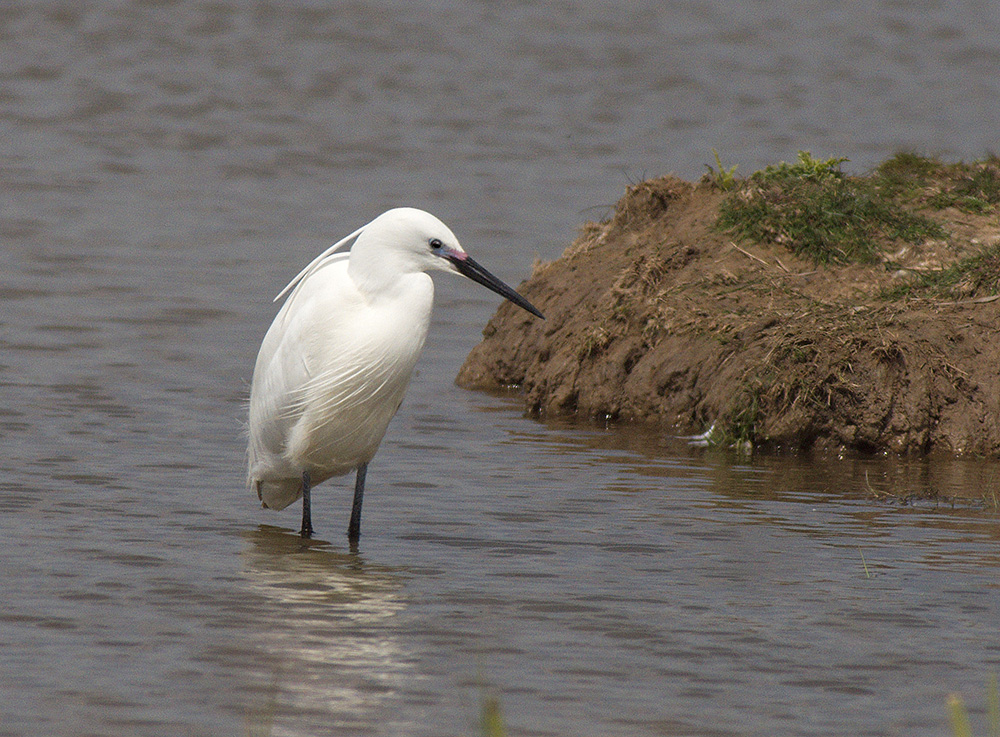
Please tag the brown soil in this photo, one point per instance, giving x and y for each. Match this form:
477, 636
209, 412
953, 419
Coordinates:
655, 316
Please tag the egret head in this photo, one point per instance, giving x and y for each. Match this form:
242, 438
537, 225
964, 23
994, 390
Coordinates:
400, 240
407, 240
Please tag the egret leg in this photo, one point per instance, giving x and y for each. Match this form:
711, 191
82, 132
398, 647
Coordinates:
307, 525
354, 529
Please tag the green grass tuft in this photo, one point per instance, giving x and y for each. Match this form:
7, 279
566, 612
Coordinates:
814, 209
905, 175
974, 276
805, 167
971, 187
721, 178
739, 424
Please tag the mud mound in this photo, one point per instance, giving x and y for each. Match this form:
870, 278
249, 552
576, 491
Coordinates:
657, 316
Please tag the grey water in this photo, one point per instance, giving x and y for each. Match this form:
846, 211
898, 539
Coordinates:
166, 167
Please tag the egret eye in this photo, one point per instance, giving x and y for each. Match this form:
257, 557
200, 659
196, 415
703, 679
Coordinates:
436, 244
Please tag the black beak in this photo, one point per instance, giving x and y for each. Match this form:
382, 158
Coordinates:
467, 266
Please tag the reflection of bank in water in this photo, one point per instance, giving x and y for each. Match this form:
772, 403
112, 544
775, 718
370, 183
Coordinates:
325, 621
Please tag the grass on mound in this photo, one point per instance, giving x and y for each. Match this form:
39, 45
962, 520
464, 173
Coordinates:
973, 277
814, 209
970, 187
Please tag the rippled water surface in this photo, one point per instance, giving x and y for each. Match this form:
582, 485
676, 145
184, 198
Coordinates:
166, 167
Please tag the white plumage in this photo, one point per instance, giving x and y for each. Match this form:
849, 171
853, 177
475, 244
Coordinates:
334, 365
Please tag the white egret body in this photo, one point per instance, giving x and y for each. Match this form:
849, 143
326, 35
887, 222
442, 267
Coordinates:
335, 363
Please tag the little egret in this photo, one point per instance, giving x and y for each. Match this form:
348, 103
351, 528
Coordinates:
335, 363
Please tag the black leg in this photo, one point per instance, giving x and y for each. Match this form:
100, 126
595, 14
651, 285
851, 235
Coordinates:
307, 525
354, 529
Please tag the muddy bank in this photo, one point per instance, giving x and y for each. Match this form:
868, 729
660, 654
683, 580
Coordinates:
656, 315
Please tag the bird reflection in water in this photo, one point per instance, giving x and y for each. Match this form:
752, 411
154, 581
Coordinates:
325, 627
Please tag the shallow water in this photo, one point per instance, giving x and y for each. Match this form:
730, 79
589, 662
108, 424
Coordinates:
167, 167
